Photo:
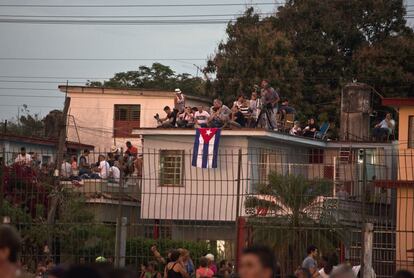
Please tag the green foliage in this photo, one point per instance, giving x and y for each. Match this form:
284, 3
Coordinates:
156, 77
254, 50
28, 124
142, 246
311, 49
296, 218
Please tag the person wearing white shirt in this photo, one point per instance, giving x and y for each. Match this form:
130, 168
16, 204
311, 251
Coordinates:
114, 172
23, 158
66, 169
384, 128
201, 117
103, 167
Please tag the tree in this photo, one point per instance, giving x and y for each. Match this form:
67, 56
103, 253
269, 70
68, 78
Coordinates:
157, 77
388, 66
32, 125
326, 44
295, 217
254, 50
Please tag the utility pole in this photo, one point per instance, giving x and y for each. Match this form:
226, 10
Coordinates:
59, 158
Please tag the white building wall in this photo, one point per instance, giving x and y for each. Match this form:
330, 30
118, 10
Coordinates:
207, 194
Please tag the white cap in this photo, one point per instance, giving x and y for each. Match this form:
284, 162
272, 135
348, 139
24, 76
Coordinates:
210, 257
177, 91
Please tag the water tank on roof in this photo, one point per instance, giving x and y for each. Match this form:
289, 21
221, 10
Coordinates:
356, 106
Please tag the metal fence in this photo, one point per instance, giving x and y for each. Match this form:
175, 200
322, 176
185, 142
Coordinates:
287, 199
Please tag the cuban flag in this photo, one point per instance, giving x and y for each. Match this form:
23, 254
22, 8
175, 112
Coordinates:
206, 145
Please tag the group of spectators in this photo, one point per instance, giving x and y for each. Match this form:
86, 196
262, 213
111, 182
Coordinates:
108, 167
261, 110
179, 263
243, 112
255, 262
264, 109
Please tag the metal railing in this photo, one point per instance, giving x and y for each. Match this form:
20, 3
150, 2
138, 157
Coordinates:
285, 198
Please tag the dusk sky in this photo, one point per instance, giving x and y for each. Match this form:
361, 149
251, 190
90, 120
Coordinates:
192, 42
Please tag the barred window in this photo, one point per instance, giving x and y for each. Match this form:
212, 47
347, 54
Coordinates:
171, 167
126, 118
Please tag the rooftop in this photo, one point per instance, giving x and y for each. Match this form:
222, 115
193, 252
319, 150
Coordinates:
125, 92
42, 141
397, 102
262, 134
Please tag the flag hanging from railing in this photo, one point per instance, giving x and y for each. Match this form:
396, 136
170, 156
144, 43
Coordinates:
206, 146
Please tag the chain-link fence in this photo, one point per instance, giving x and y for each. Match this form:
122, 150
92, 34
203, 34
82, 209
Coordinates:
119, 205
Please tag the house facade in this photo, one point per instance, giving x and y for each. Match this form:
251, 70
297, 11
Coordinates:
174, 192
403, 184
105, 117
43, 149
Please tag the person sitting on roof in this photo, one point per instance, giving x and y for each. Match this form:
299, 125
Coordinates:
66, 169
186, 119
201, 117
286, 109
23, 158
237, 117
84, 167
169, 120
296, 129
384, 128
219, 114
311, 128
243, 105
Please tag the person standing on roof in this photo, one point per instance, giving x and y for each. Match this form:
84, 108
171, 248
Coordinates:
179, 101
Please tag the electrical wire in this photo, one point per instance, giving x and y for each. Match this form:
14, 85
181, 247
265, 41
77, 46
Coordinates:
98, 59
125, 16
142, 5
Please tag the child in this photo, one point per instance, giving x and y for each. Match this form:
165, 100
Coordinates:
203, 271
296, 130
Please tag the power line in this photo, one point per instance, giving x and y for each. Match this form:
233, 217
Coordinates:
141, 5
98, 59
125, 16
115, 22
51, 77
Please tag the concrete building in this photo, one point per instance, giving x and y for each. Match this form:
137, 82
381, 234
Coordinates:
174, 192
44, 149
403, 184
105, 117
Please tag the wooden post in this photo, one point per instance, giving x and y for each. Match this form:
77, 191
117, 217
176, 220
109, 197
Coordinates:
120, 243
366, 265
59, 158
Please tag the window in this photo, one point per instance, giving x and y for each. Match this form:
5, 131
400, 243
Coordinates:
171, 167
126, 118
316, 156
411, 132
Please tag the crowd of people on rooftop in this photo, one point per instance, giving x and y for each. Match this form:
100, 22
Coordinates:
264, 109
261, 110
107, 167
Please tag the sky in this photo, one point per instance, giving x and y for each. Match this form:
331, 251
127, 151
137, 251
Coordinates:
182, 47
